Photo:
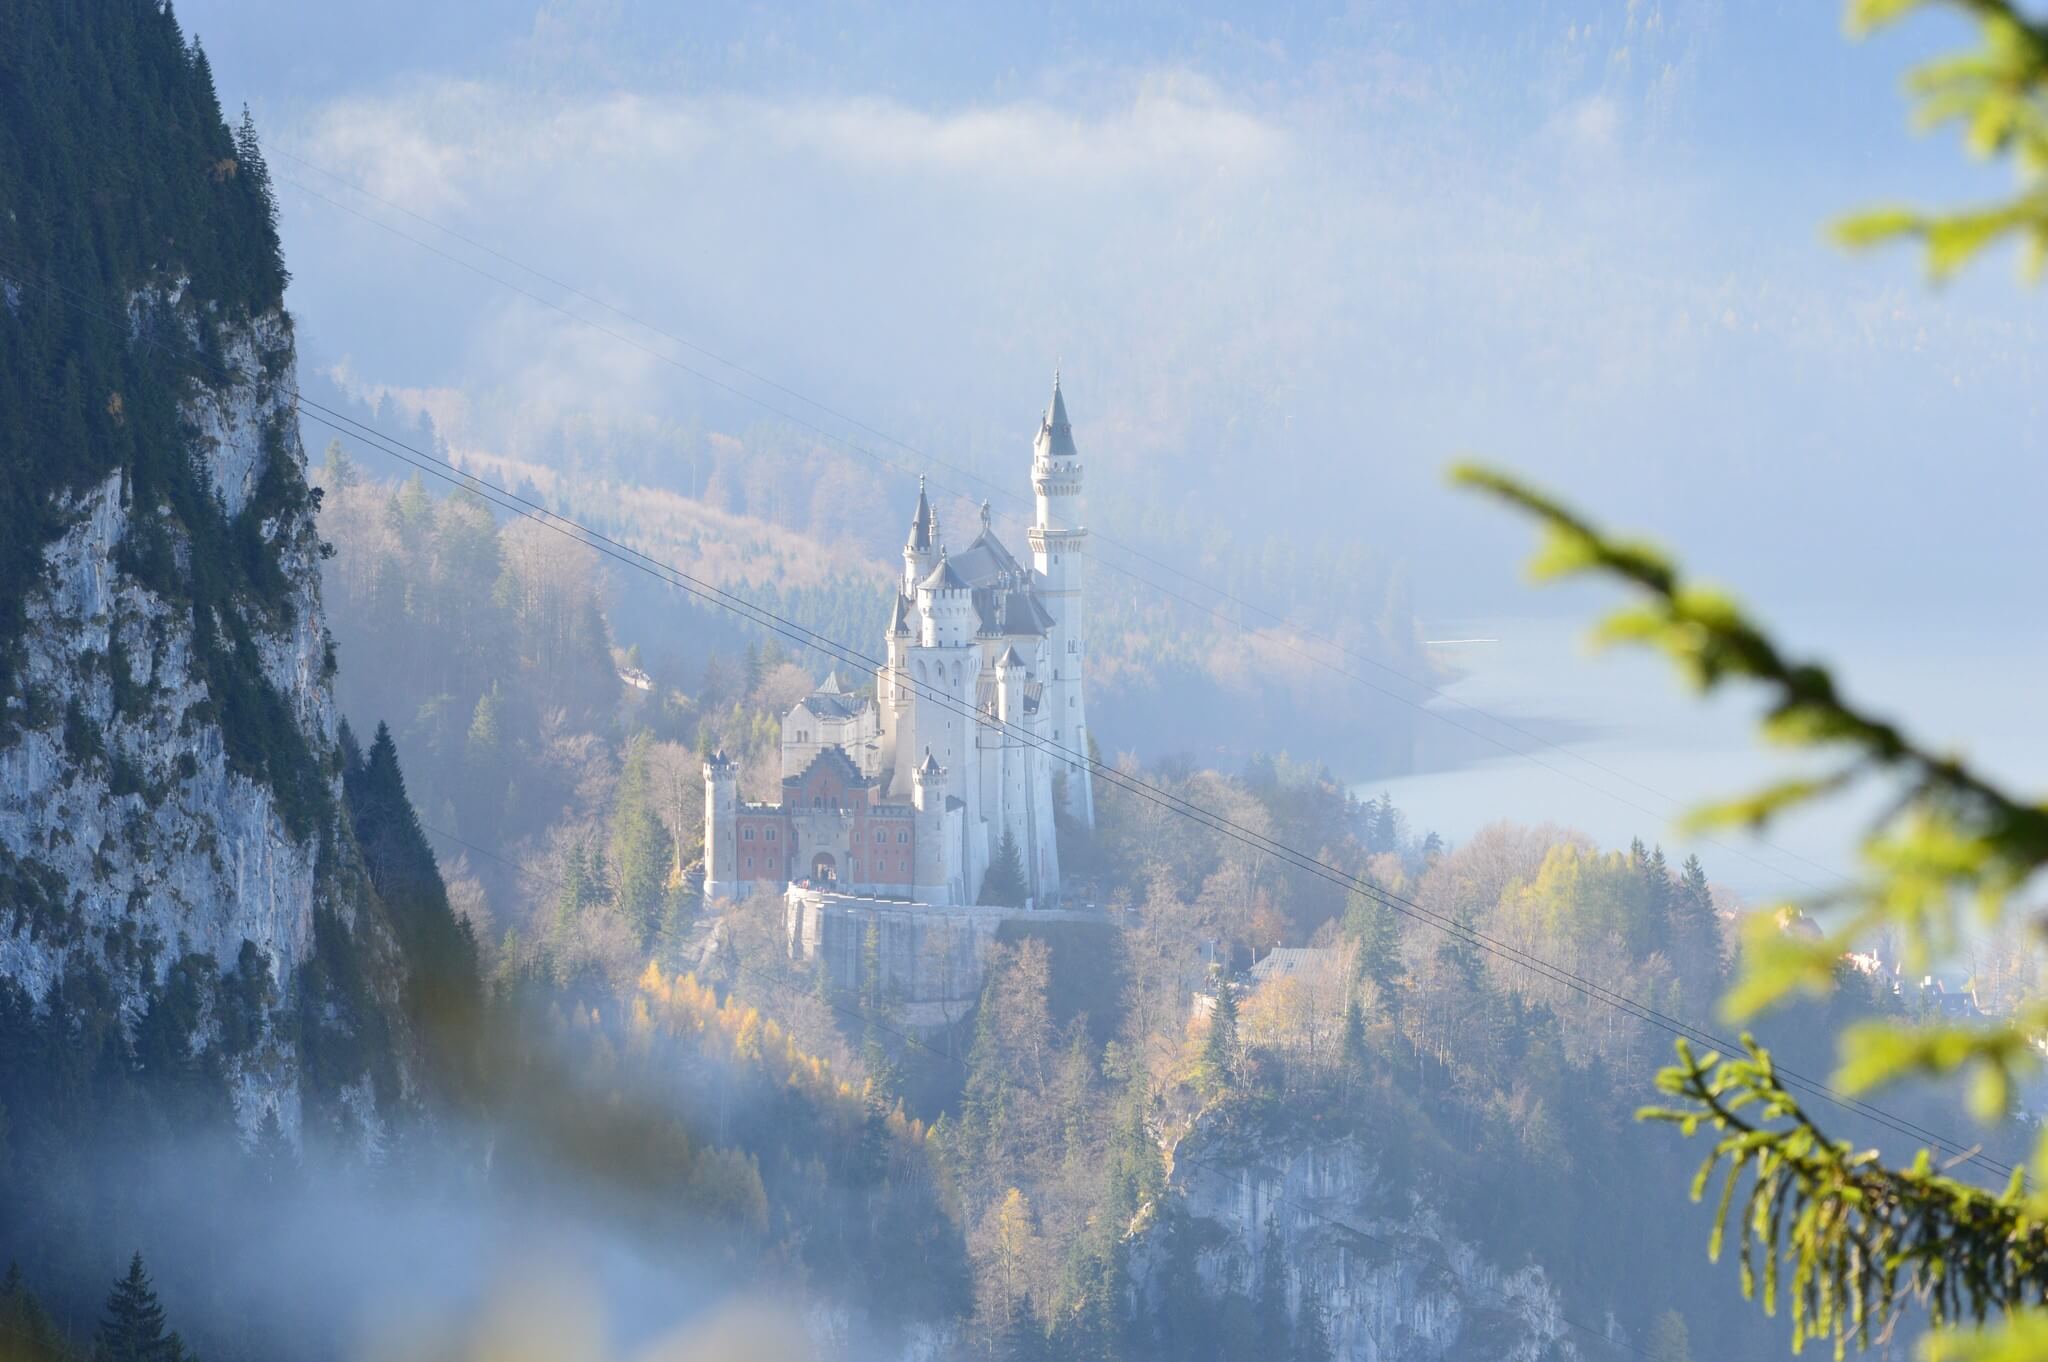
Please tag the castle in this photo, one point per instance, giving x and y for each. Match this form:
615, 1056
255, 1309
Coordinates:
977, 724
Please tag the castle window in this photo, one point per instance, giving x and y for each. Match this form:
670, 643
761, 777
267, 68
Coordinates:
904, 838
750, 862
769, 835
881, 836
748, 834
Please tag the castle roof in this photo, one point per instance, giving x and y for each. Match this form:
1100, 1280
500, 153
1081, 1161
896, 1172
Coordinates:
833, 755
943, 577
1055, 435
1014, 612
1009, 658
986, 562
930, 765
924, 524
830, 685
831, 704
899, 619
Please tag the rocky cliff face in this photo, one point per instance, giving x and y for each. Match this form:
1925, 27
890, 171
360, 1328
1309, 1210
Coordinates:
169, 778
1394, 1283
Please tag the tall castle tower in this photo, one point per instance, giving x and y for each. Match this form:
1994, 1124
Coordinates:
1059, 551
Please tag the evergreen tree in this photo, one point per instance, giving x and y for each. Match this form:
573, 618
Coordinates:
1269, 1306
1219, 1050
1312, 1328
133, 1328
1004, 884
572, 891
27, 1333
1353, 1053
1694, 923
641, 848
1370, 920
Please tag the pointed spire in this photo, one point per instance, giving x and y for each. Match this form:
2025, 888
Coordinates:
924, 525
831, 685
1055, 435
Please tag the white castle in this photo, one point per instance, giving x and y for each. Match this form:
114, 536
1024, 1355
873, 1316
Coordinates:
979, 715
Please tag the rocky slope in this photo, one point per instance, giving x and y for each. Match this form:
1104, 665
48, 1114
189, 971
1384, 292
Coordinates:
1394, 1283
172, 808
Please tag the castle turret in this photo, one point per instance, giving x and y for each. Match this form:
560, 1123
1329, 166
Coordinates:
1059, 544
921, 549
945, 605
721, 826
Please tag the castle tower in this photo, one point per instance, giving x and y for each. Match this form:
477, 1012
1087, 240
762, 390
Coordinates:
1059, 545
936, 832
921, 549
721, 827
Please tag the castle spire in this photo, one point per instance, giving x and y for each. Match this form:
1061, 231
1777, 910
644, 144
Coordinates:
1055, 435
924, 527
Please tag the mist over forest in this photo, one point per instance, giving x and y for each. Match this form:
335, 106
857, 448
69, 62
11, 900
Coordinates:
804, 683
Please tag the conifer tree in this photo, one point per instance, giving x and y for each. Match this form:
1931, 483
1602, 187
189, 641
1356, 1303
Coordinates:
133, 1327
1004, 885
1312, 1328
1269, 1307
1370, 920
1219, 1050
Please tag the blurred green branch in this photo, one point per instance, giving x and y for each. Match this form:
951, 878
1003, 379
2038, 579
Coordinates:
1995, 92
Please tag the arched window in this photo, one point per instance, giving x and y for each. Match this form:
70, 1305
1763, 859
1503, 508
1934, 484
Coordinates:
769, 835
881, 836
750, 863
903, 836
920, 669
748, 834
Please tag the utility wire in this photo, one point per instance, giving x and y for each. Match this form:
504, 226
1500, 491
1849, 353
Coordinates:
1001, 490
433, 465
1179, 1160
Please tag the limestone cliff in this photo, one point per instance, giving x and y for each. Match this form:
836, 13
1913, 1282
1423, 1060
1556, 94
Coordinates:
172, 810
136, 827
1393, 1281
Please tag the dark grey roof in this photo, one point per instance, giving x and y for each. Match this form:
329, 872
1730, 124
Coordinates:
986, 562
1024, 613
899, 619
930, 765
1010, 658
943, 577
832, 704
924, 525
1053, 430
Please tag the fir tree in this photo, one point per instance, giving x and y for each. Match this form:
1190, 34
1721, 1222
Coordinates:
1219, 1050
1312, 1328
1353, 1054
1370, 920
1269, 1307
1004, 886
133, 1328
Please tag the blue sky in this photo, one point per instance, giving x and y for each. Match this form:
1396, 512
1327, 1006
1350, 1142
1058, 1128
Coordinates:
1293, 260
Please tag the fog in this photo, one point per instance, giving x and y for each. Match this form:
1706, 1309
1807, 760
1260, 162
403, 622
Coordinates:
1291, 265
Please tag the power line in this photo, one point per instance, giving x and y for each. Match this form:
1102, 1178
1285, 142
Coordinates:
1299, 860
1179, 1160
1011, 495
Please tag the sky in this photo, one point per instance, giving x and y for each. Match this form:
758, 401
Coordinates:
1292, 260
